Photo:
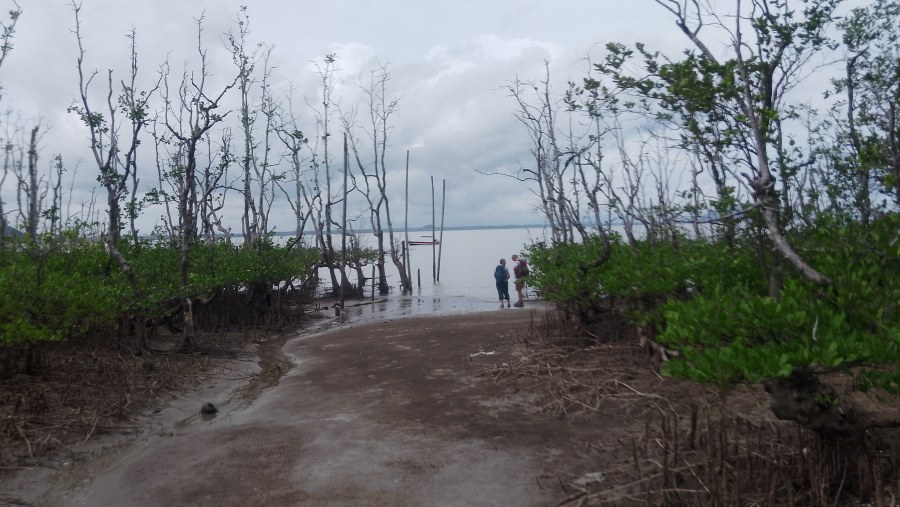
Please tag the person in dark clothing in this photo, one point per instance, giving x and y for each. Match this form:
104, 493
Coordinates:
501, 276
520, 269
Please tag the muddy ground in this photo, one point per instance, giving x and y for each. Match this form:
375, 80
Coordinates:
480, 409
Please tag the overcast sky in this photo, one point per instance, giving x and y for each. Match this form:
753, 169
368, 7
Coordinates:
449, 62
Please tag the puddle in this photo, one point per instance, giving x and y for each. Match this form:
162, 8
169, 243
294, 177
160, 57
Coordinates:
410, 305
273, 364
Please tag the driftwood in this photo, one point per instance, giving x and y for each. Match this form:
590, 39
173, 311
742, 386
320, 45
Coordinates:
801, 397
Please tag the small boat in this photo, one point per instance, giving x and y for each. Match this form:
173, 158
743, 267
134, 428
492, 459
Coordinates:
428, 242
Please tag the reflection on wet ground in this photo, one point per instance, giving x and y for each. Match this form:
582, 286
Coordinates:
399, 306
396, 306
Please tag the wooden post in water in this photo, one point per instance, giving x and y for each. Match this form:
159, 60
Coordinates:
433, 246
441, 240
404, 254
344, 224
406, 230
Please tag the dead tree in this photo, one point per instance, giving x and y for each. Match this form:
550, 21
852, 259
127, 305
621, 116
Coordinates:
115, 160
296, 144
22, 159
258, 171
8, 161
7, 30
380, 108
30, 187
323, 218
538, 116
54, 212
213, 186
189, 115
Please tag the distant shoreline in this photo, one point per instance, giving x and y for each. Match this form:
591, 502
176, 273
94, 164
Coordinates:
428, 228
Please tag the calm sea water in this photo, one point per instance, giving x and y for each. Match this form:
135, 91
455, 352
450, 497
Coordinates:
466, 284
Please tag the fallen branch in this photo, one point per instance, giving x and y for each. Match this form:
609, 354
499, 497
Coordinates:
27, 443
93, 427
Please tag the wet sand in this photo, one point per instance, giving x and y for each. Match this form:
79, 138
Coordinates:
376, 411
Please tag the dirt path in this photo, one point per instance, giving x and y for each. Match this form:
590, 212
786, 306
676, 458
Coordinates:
391, 413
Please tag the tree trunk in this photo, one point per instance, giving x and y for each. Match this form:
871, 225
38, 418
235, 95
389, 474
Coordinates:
802, 398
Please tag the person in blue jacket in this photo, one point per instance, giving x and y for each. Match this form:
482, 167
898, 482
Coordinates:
501, 276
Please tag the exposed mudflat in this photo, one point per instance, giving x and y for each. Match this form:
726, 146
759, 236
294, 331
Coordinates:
471, 409
388, 413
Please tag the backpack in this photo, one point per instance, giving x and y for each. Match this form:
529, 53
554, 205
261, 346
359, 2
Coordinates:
521, 269
500, 274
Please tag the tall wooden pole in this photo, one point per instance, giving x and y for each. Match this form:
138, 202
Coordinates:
344, 225
406, 228
441, 240
433, 246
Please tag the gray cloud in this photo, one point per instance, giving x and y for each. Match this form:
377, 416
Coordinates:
449, 64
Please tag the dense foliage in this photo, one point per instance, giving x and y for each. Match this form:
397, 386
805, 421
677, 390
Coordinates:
707, 301
71, 284
770, 225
